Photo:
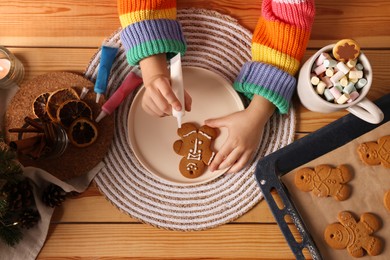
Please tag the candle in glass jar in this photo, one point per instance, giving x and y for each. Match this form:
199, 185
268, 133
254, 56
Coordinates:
5, 66
11, 69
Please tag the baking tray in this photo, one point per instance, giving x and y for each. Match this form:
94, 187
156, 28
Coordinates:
271, 168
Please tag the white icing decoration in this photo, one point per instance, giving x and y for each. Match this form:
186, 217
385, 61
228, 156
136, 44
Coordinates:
192, 155
191, 166
204, 134
211, 158
190, 133
197, 157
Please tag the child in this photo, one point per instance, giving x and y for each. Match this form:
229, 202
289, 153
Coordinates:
151, 35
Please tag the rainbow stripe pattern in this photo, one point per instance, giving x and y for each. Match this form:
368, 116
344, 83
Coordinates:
278, 43
150, 27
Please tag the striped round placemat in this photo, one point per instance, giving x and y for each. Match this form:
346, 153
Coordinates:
218, 43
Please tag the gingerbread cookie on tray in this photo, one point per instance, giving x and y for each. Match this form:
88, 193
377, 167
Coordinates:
195, 147
386, 200
325, 181
355, 236
376, 153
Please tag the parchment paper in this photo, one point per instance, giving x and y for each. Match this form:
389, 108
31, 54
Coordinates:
369, 185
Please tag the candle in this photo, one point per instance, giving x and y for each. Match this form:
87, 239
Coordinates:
5, 65
11, 69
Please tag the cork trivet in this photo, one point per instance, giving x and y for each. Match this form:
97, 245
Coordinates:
75, 161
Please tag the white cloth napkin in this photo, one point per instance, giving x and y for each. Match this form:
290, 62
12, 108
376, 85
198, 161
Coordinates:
34, 238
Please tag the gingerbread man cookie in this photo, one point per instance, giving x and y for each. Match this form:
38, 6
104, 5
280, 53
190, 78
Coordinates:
346, 50
325, 181
354, 236
195, 147
375, 153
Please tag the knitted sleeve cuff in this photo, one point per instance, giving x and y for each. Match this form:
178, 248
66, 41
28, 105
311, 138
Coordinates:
149, 37
267, 81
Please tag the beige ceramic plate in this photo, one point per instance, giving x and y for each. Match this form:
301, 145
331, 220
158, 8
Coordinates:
152, 138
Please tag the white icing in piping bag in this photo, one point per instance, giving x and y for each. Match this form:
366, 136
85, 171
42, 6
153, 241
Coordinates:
177, 86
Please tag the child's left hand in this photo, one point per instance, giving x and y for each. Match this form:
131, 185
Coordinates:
245, 130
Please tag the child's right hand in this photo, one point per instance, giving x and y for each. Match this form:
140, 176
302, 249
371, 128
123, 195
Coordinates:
159, 99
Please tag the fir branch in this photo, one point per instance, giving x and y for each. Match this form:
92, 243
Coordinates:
16, 199
10, 234
10, 169
3, 206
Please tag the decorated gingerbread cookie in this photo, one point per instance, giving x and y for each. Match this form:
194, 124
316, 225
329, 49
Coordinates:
325, 181
375, 153
345, 50
355, 236
195, 147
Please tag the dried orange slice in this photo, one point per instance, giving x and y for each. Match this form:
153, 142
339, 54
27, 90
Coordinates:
71, 110
56, 99
82, 132
39, 106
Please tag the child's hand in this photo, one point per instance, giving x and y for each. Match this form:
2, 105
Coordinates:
245, 130
159, 99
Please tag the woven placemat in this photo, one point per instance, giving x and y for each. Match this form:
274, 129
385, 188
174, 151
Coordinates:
218, 43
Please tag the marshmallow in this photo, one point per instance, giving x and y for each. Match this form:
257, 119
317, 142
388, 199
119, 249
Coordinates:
359, 66
330, 63
328, 95
361, 83
329, 72
320, 69
343, 99
315, 80
349, 88
342, 67
327, 81
335, 92
354, 95
355, 74
336, 77
321, 58
321, 87
351, 64
344, 81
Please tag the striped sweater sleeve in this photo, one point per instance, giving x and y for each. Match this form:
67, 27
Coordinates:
148, 28
278, 45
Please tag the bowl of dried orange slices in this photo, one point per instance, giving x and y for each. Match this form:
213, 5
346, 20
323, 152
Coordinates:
64, 107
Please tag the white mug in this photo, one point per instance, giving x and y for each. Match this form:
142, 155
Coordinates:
360, 107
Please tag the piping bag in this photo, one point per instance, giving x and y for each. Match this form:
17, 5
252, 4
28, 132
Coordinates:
177, 87
106, 60
129, 84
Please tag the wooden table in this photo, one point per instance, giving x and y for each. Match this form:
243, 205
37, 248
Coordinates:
63, 35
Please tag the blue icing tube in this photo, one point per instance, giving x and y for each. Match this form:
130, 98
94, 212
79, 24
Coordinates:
106, 60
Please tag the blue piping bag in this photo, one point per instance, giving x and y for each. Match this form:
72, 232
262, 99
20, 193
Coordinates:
106, 60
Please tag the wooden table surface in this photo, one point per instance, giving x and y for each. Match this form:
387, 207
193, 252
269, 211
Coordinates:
63, 35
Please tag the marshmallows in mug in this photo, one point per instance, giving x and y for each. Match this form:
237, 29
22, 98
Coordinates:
339, 77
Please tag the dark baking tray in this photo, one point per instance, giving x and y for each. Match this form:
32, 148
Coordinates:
270, 169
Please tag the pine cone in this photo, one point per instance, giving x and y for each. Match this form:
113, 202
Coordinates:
29, 218
19, 195
53, 195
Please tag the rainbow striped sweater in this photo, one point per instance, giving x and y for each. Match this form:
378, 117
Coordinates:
278, 43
